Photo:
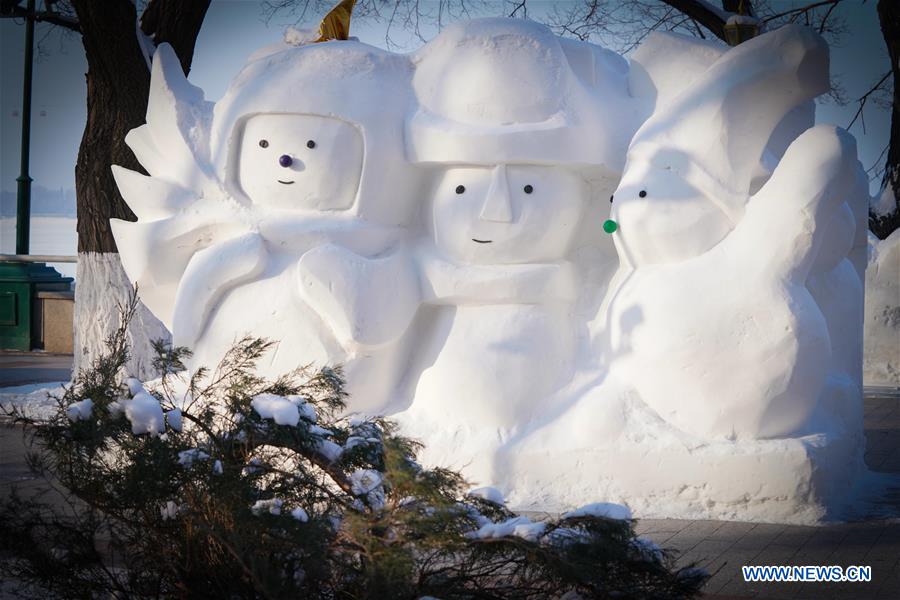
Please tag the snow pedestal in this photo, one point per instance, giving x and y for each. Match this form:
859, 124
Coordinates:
661, 474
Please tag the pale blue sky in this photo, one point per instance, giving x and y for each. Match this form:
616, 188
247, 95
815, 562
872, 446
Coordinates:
235, 28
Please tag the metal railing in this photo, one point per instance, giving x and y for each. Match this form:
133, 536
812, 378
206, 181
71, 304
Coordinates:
44, 258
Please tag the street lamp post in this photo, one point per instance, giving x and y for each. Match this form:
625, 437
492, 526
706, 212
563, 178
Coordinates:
21, 313
23, 195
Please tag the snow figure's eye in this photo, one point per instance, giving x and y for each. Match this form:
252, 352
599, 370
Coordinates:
528, 189
310, 144
460, 189
642, 193
285, 161
610, 199
263, 143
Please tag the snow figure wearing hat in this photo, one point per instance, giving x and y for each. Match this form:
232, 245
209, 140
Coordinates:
304, 150
735, 297
504, 107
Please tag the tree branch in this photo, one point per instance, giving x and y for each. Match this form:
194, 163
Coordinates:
702, 13
47, 17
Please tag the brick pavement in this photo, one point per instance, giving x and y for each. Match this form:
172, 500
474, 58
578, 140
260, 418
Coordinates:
722, 547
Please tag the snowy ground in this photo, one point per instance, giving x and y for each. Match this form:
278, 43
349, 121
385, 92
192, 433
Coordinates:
37, 399
49, 235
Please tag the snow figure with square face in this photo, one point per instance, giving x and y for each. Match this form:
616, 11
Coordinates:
300, 162
303, 151
513, 224
498, 333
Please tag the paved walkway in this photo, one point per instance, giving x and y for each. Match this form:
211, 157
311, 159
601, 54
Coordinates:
721, 547
21, 368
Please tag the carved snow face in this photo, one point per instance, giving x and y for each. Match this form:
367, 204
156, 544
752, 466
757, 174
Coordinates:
302, 162
661, 218
507, 214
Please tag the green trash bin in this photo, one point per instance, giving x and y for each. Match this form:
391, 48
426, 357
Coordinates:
19, 284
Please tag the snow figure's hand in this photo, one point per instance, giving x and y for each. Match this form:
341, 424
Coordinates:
364, 301
730, 343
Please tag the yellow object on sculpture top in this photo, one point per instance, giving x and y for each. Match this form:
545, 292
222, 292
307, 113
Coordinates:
336, 24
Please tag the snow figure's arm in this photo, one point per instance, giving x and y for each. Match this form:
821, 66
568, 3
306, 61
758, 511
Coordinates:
365, 301
173, 203
155, 254
730, 343
695, 162
211, 273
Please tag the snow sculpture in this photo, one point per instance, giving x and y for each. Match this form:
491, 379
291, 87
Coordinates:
685, 209
266, 175
505, 211
440, 223
882, 329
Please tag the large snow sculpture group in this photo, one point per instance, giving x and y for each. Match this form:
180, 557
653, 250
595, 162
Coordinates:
574, 276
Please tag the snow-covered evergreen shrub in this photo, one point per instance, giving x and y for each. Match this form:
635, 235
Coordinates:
225, 485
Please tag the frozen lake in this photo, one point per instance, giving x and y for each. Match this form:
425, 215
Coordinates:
49, 235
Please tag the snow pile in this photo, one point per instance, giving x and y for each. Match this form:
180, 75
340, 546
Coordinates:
601, 509
330, 450
271, 506
881, 359
174, 419
279, 409
300, 514
491, 494
368, 483
80, 411
187, 458
521, 527
169, 511
145, 414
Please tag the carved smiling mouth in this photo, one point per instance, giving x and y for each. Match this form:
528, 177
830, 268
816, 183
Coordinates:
285, 182
482, 241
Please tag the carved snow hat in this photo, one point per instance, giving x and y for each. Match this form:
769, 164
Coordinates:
348, 80
509, 90
725, 132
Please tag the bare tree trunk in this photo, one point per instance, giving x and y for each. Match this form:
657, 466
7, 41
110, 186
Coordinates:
884, 225
118, 83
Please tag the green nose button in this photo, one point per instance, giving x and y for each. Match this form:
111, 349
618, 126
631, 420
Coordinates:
609, 226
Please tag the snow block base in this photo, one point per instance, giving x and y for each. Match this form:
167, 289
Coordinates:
803, 480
